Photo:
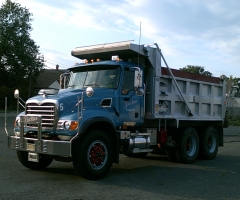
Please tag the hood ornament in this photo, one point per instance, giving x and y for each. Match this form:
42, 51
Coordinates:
45, 92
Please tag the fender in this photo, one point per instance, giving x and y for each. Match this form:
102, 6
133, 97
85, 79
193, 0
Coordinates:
90, 121
114, 137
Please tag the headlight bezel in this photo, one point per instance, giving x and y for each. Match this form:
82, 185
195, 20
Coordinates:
68, 125
17, 123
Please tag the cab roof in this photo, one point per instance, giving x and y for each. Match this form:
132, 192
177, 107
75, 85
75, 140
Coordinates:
102, 63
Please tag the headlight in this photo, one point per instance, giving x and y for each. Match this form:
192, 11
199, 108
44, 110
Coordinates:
17, 123
66, 125
17, 126
70, 125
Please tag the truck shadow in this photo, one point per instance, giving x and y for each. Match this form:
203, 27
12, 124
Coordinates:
157, 176
204, 178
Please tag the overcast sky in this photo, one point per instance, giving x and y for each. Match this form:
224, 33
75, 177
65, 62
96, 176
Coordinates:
189, 32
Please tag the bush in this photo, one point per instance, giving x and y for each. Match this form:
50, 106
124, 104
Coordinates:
234, 120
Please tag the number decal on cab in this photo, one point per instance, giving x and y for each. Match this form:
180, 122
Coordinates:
61, 107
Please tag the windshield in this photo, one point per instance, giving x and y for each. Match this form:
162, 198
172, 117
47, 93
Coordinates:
100, 77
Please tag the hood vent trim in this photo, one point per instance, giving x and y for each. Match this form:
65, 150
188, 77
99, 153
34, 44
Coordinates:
106, 103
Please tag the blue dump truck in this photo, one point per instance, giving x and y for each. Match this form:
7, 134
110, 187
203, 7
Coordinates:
120, 100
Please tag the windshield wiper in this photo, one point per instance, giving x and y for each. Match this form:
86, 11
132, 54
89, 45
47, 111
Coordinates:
71, 86
92, 84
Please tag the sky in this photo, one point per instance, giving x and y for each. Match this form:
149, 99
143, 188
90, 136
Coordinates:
189, 32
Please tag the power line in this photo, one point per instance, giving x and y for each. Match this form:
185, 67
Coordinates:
46, 66
52, 62
55, 62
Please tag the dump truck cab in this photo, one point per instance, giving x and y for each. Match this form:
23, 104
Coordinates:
112, 87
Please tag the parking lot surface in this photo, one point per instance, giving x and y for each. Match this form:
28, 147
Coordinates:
153, 177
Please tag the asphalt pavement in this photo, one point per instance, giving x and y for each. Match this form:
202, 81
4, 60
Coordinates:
154, 177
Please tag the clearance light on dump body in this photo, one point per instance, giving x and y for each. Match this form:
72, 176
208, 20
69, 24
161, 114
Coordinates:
84, 61
115, 58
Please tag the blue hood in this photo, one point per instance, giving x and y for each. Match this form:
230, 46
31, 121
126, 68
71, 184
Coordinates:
66, 100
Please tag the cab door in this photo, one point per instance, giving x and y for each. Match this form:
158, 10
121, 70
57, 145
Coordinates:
131, 105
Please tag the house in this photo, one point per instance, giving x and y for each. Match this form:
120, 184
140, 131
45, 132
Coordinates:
49, 78
233, 102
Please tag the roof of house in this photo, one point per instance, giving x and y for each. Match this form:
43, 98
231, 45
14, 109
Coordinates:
47, 77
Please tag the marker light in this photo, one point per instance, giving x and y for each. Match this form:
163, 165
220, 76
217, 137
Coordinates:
116, 58
84, 61
74, 125
70, 125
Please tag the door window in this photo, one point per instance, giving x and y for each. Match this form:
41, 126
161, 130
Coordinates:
128, 82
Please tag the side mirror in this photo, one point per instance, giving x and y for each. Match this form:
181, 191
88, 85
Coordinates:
64, 78
138, 79
16, 93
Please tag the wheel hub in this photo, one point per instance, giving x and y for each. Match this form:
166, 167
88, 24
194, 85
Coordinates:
97, 154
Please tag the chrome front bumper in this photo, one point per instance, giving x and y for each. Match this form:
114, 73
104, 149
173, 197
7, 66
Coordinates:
48, 147
38, 145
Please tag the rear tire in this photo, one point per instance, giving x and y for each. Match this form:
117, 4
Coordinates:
188, 146
209, 143
43, 163
92, 157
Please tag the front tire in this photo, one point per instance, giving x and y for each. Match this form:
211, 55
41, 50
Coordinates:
188, 147
43, 163
92, 157
209, 143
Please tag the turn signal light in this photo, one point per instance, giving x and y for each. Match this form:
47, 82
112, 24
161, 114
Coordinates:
73, 126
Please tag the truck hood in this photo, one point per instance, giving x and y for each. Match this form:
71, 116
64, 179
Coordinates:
66, 100
63, 100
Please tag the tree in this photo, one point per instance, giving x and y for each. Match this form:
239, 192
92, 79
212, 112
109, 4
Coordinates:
20, 60
233, 86
196, 69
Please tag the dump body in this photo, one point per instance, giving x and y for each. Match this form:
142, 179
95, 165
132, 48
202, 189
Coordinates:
203, 95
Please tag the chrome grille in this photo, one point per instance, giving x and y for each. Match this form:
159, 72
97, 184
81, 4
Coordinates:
46, 110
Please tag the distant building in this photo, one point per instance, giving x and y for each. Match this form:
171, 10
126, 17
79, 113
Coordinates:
233, 102
49, 78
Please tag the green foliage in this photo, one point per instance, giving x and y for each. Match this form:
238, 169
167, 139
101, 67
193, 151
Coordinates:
233, 86
196, 69
234, 120
20, 60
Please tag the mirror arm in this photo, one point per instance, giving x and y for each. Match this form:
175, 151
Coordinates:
128, 98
